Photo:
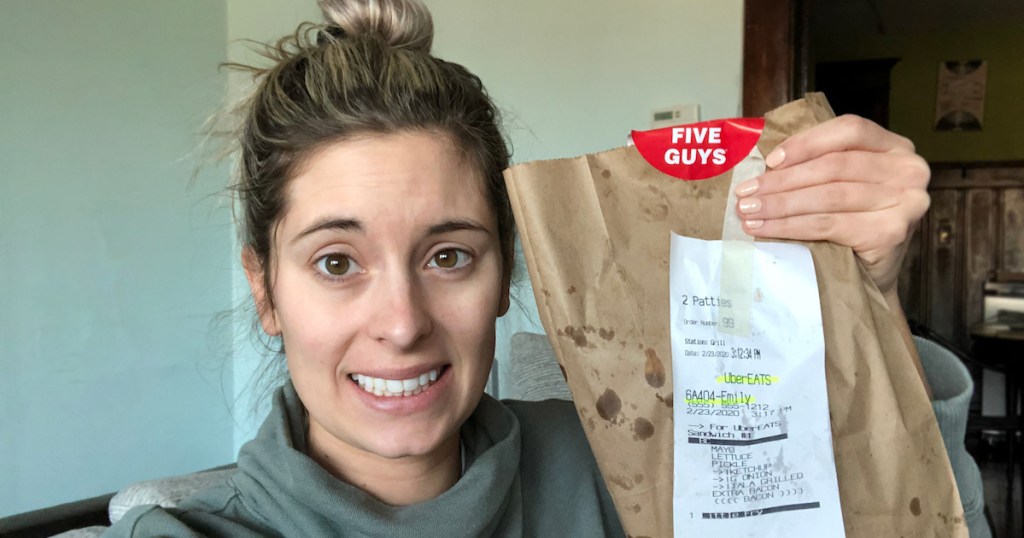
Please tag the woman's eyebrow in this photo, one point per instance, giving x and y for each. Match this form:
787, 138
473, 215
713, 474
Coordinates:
329, 223
456, 225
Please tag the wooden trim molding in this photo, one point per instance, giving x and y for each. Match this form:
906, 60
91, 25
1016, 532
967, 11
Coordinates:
774, 54
977, 175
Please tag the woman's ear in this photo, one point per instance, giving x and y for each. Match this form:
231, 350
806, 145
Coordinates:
254, 273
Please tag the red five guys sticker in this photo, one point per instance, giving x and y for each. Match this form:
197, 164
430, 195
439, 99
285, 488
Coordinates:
699, 150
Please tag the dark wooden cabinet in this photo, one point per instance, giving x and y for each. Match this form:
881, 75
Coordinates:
975, 226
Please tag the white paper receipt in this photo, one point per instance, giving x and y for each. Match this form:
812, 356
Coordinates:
753, 445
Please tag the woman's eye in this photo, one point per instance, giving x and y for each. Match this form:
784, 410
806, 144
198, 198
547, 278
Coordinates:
337, 265
450, 258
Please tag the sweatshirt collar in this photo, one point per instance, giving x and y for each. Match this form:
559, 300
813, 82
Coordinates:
289, 491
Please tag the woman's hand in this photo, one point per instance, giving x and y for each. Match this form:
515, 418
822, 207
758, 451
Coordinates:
848, 181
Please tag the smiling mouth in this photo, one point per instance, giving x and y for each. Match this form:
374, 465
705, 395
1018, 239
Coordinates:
394, 388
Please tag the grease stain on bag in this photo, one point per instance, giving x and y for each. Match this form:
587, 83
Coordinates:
609, 405
654, 369
623, 482
642, 431
578, 336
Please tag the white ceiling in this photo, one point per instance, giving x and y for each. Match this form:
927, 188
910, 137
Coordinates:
907, 17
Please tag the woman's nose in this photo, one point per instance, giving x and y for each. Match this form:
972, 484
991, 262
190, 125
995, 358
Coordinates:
403, 317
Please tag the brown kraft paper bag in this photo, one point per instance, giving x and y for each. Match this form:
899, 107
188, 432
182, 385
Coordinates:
595, 231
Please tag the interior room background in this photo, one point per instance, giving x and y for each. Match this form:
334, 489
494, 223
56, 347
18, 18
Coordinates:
883, 63
122, 356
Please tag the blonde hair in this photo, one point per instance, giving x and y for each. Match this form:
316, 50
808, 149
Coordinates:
366, 70
403, 23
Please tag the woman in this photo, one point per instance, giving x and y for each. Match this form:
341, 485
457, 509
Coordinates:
378, 243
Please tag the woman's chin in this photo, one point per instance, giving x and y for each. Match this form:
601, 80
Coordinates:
405, 445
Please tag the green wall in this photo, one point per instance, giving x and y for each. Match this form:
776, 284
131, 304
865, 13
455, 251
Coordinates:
112, 267
914, 86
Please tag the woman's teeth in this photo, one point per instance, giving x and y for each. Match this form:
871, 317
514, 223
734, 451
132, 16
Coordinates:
396, 387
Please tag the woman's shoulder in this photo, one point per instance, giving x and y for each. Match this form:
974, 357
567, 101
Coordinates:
547, 421
552, 435
213, 512
566, 494
555, 408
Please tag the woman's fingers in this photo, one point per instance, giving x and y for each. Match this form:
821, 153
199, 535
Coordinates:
844, 133
905, 169
859, 215
828, 198
847, 181
873, 235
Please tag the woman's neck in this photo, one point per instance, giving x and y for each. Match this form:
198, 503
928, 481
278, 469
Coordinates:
397, 482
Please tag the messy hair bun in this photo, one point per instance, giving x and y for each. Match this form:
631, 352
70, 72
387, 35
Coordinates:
399, 23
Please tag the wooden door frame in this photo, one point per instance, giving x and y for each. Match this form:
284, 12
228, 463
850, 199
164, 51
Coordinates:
775, 43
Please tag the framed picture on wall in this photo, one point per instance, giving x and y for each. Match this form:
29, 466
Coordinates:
960, 102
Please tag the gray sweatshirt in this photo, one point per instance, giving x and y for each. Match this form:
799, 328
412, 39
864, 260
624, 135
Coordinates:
529, 472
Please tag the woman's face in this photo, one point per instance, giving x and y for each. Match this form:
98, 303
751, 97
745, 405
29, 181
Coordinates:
386, 279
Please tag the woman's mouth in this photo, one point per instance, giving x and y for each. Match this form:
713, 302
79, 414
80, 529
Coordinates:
393, 388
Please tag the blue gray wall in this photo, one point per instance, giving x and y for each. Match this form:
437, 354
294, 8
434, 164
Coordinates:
112, 267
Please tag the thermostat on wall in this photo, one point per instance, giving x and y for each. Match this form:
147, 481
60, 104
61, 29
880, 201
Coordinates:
674, 115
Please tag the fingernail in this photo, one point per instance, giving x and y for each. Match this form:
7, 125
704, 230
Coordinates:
775, 158
750, 205
748, 187
752, 224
